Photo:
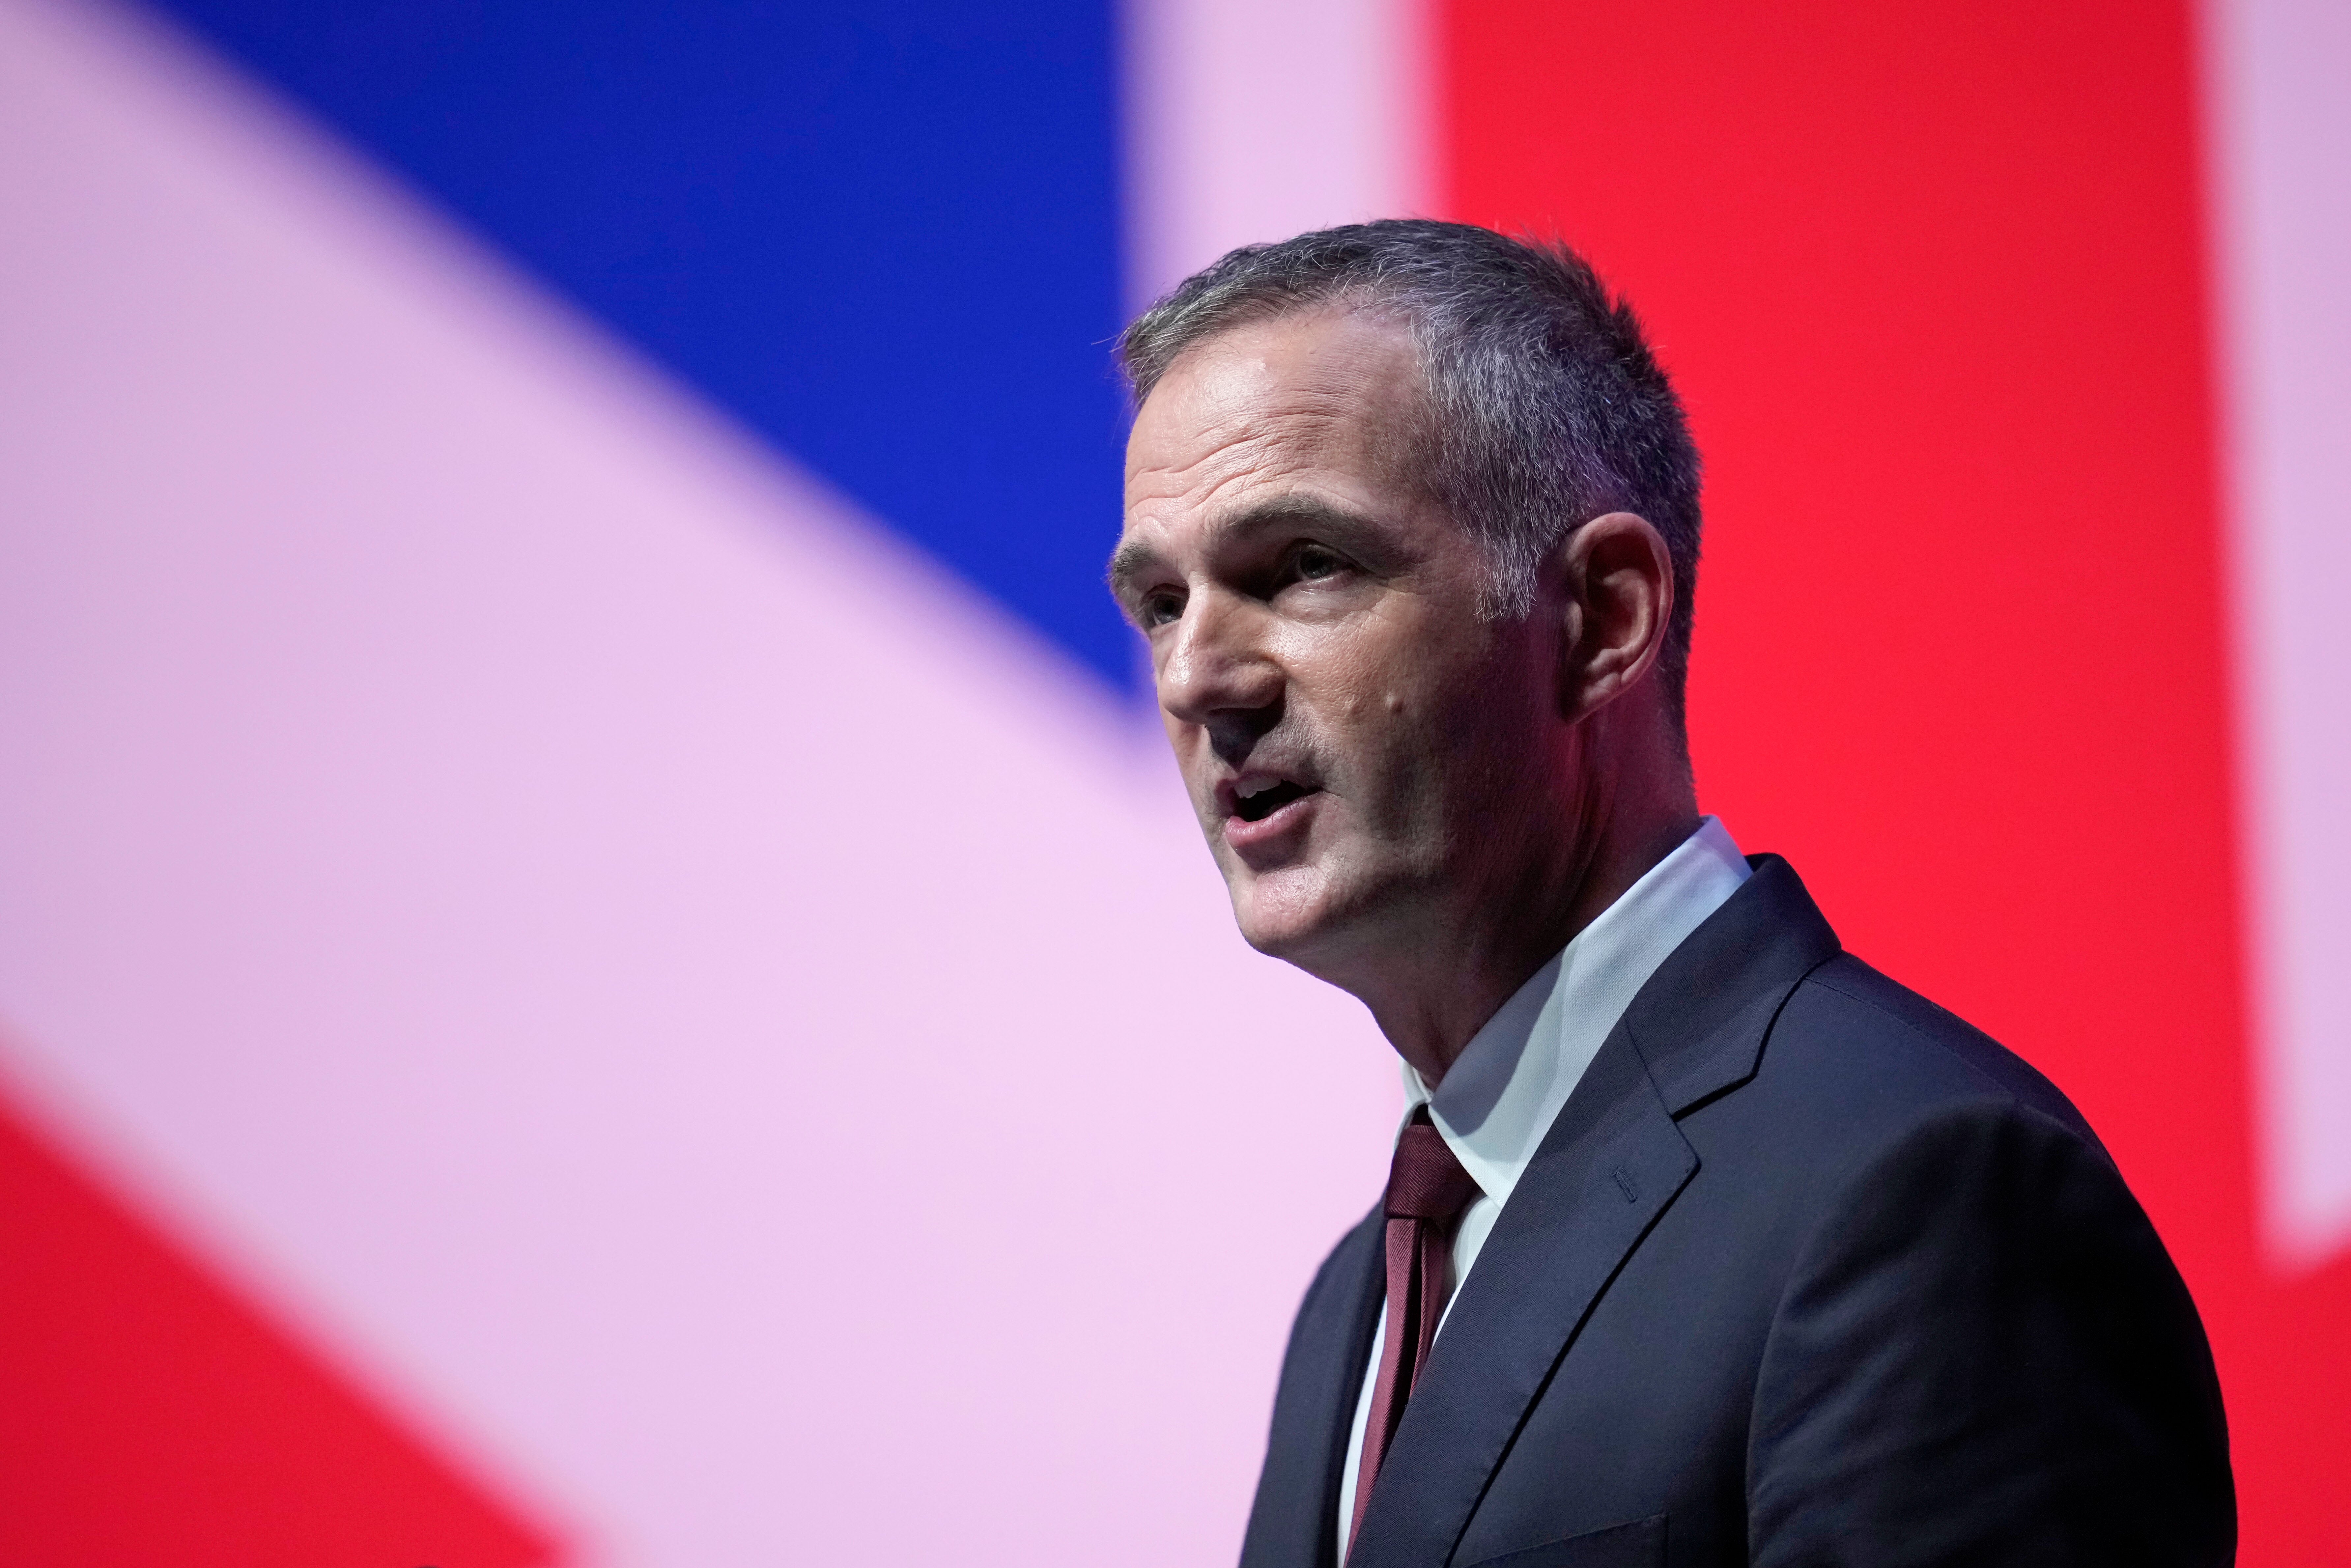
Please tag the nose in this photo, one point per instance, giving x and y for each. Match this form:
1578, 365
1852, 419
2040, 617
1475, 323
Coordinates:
1216, 667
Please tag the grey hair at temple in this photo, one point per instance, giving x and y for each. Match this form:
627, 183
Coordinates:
1545, 406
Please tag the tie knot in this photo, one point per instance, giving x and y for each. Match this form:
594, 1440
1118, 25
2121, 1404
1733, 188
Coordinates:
1426, 1182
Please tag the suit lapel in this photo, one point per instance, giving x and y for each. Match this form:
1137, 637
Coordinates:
1610, 1166
1611, 1163
1294, 1521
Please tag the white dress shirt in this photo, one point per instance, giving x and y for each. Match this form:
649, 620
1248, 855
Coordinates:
1510, 1083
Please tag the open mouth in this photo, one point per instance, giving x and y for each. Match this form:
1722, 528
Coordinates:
1263, 803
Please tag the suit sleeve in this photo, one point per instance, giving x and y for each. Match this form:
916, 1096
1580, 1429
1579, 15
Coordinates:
1983, 1355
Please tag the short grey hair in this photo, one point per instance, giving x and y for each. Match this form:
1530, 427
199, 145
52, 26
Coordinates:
1546, 407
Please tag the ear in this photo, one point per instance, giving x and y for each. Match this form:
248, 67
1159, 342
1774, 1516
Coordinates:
1619, 580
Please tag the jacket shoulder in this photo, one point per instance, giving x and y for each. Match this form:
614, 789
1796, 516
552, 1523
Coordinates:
1855, 1034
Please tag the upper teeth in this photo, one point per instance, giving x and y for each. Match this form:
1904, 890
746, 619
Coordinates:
1244, 792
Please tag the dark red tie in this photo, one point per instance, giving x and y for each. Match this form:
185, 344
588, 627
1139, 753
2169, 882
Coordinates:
1427, 1190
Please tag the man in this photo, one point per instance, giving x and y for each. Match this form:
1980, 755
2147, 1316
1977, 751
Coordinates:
1704, 1243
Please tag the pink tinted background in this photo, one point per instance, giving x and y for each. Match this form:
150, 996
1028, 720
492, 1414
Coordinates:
709, 1022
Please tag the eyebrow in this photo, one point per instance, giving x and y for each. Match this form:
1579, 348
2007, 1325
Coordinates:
1131, 557
1127, 563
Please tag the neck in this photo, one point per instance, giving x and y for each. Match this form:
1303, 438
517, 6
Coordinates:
1432, 990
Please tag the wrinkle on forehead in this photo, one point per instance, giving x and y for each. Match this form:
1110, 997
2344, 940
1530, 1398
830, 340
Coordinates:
1334, 389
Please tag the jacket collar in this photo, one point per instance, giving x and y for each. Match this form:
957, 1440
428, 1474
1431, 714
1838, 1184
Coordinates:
1610, 1166
1699, 1022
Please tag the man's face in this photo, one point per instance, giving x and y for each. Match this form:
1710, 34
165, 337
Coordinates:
1365, 750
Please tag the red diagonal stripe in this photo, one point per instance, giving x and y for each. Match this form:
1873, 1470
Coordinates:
154, 1418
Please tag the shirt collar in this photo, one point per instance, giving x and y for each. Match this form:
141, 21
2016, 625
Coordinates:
1509, 1085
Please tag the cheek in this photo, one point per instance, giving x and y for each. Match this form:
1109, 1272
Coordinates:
1442, 746
1361, 676
1404, 704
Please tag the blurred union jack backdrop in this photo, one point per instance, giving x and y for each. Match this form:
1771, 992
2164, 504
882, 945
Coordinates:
568, 784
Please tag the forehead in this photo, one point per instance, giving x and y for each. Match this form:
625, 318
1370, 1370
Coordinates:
1323, 399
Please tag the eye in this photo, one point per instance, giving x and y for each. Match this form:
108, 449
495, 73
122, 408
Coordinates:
1159, 607
1314, 562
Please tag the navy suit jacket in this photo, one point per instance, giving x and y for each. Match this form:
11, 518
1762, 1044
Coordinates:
1807, 1271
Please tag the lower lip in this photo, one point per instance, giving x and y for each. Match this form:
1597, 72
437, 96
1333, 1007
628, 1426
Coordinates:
1290, 818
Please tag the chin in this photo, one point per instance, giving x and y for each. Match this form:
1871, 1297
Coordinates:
1274, 940
1291, 915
